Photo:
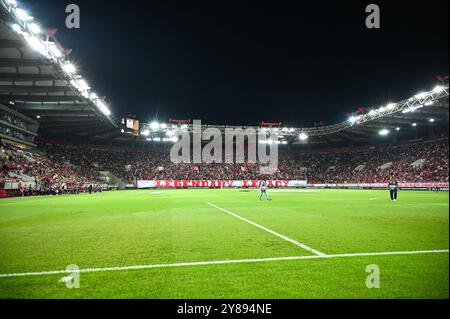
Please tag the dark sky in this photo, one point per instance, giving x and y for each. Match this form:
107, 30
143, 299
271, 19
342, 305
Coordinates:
240, 62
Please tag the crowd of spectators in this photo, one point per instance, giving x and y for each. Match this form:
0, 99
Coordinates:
418, 162
37, 173
57, 169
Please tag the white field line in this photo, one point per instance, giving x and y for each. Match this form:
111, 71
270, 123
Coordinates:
222, 262
305, 247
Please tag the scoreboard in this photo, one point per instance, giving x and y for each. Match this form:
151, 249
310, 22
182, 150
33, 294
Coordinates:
130, 125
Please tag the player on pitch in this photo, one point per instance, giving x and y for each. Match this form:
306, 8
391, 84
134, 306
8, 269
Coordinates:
264, 191
393, 189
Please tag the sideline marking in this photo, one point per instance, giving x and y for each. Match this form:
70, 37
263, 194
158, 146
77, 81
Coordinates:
221, 262
311, 250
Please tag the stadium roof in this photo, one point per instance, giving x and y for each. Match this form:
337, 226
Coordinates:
38, 80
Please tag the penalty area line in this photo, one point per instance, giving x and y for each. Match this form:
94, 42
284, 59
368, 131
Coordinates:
292, 241
222, 262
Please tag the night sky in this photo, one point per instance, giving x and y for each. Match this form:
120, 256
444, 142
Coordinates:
227, 62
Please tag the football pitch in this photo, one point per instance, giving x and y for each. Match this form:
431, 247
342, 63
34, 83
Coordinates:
226, 244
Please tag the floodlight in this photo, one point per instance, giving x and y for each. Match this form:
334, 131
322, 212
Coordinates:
146, 132
22, 15
431, 120
421, 95
438, 89
35, 28
55, 50
37, 45
303, 136
154, 125
11, 2
102, 107
390, 106
83, 85
373, 113
17, 28
69, 68
383, 132
414, 124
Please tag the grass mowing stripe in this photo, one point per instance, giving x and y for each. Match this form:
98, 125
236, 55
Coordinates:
221, 262
312, 250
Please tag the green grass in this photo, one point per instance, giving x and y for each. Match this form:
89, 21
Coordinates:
143, 227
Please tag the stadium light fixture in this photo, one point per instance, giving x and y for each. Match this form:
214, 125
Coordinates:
411, 109
431, 120
303, 136
397, 129
154, 125
352, 119
11, 2
37, 45
391, 106
421, 95
163, 126
69, 68
382, 109
22, 15
35, 28
373, 113
17, 28
55, 50
438, 89
384, 132
38, 116
157, 139
83, 85
102, 107
146, 132
414, 124
429, 103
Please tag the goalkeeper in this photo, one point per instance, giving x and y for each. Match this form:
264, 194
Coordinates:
264, 191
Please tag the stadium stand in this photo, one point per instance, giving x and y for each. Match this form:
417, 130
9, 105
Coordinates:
59, 166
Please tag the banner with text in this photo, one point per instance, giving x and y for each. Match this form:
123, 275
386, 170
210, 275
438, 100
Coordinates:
216, 184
